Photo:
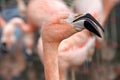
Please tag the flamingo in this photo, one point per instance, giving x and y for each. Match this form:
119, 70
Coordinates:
66, 55
8, 31
12, 64
70, 53
9, 38
51, 22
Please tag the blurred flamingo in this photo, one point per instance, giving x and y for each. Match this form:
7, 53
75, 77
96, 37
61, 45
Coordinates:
13, 63
108, 5
8, 36
9, 39
100, 9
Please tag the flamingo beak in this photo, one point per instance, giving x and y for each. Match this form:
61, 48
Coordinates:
92, 27
3, 48
90, 17
88, 22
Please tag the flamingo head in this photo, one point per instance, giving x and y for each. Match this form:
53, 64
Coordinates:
9, 38
62, 26
86, 21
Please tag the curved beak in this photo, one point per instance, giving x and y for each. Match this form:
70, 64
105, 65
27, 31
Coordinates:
88, 22
92, 27
90, 17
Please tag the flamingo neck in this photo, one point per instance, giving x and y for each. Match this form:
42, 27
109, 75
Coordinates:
51, 57
23, 26
62, 73
16, 22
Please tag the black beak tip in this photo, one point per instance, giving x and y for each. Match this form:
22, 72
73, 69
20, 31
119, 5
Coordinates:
92, 28
93, 19
3, 48
90, 17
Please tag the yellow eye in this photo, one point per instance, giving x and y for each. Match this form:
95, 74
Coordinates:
77, 15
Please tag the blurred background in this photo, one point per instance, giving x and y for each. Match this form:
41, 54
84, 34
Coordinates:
104, 66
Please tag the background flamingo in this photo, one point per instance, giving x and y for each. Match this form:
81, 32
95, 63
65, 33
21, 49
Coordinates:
100, 12
13, 63
9, 39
